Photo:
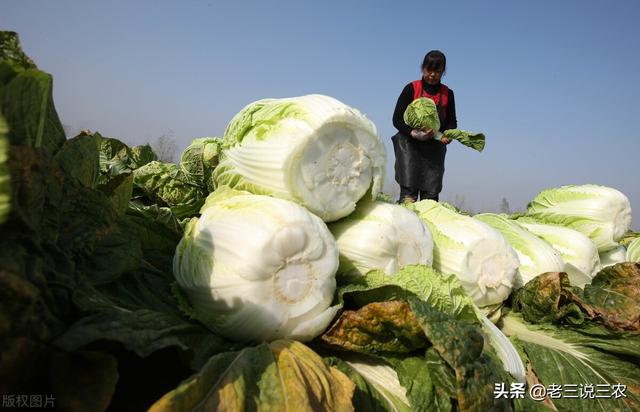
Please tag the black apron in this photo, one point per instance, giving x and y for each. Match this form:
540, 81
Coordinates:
419, 165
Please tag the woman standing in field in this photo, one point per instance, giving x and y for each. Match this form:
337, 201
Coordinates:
419, 157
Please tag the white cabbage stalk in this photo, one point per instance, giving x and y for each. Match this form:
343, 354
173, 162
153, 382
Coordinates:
383, 378
579, 253
633, 251
504, 348
600, 212
613, 256
258, 268
535, 255
476, 253
380, 235
313, 150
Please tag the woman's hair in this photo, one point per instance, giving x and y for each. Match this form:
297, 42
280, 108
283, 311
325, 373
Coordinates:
434, 60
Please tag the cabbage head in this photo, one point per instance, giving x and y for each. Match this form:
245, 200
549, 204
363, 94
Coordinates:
479, 255
258, 268
601, 213
199, 159
313, 150
381, 235
422, 114
579, 253
535, 255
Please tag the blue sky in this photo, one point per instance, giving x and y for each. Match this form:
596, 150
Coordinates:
553, 84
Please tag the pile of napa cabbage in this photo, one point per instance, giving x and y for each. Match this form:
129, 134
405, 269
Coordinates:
266, 270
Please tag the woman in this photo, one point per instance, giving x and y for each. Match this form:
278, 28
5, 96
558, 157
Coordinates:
420, 158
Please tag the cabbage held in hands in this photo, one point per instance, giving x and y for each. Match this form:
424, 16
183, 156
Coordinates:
422, 114
258, 268
313, 150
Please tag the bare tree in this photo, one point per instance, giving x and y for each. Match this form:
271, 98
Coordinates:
504, 206
165, 147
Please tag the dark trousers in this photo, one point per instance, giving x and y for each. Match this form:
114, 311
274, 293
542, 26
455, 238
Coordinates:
415, 194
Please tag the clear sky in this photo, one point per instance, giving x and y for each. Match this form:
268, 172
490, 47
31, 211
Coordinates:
553, 84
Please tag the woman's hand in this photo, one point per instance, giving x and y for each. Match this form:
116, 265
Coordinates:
422, 135
445, 140
418, 135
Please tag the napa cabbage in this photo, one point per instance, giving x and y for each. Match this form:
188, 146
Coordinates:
313, 150
579, 253
199, 159
601, 213
258, 268
380, 235
476, 253
535, 255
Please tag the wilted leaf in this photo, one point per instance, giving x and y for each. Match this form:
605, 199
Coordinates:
377, 327
282, 376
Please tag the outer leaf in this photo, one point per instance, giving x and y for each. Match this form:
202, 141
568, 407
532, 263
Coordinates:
26, 98
119, 191
284, 375
549, 298
117, 158
629, 237
140, 312
376, 387
5, 177
166, 185
473, 140
614, 295
199, 159
448, 320
417, 375
612, 299
377, 327
442, 292
560, 355
10, 51
460, 344
613, 256
633, 252
27, 104
79, 157
158, 231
